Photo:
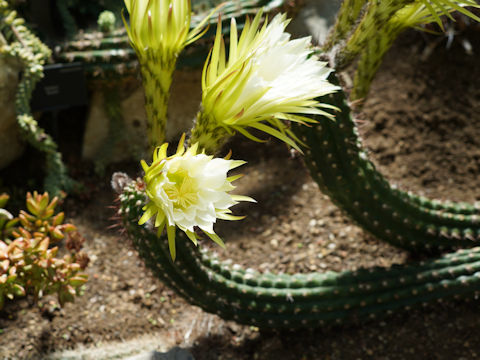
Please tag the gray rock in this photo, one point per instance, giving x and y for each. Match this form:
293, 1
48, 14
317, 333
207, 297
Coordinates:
315, 19
184, 103
132, 140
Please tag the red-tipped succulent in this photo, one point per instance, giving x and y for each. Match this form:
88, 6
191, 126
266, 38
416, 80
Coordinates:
28, 261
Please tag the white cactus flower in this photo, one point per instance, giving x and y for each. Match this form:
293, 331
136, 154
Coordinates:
267, 78
188, 190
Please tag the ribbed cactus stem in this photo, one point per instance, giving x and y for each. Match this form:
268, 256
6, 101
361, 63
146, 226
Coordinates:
370, 60
345, 22
342, 169
377, 14
301, 300
99, 42
157, 77
111, 56
98, 55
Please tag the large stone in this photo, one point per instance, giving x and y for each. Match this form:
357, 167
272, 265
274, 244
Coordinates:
96, 129
11, 144
315, 19
130, 138
184, 102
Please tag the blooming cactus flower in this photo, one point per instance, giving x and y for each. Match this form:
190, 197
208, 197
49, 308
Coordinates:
188, 190
267, 78
158, 31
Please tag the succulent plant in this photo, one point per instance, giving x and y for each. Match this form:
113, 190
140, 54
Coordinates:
106, 21
42, 217
18, 42
7, 221
28, 259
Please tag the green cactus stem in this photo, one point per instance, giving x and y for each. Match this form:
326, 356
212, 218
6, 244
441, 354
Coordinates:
377, 14
209, 135
340, 165
370, 59
156, 83
346, 19
106, 21
97, 40
377, 28
103, 55
69, 24
300, 300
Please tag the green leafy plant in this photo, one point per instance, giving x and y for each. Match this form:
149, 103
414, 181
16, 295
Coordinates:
28, 255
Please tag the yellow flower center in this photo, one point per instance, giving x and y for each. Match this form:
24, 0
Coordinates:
182, 190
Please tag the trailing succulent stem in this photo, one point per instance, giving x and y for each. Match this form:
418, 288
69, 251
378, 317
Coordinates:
32, 53
340, 165
301, 300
